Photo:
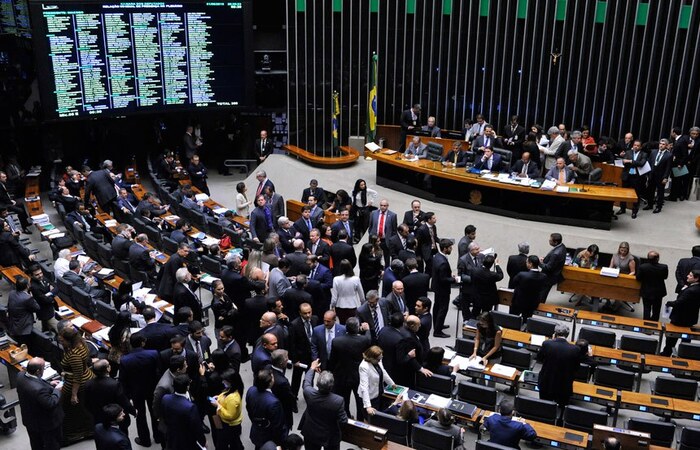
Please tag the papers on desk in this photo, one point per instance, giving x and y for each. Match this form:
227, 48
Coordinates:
171, 218
437, 401
111, 223
561, 189
548, 185
102, 335
56, 235
489, 176
208, 279
50, 232
411, 158
160, 304
396, 392
80, 321
149, 299
467, 363
41, 219
449, 354
83, 259
106, 272
388, 152
537, 339
139, 294
220, 211
372, 147
610, 272
502, 370
65, 311
207, 241
170, 310
201, 197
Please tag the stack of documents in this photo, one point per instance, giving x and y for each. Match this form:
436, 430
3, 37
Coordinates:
502, 370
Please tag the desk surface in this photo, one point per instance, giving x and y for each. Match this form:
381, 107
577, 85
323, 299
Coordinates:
592, 283
614, 354
555, 312
676, 331
546, 434
616, 321
645, 402
598, 392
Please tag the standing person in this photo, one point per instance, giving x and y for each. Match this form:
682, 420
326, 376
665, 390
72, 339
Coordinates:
652, 275
422, 310
410, 122
684, 266
416, 284
265, 411
660, 161
685, 308
383, 223
428, 240
242, 202
261, 220
281, 387
344, 363
466, 265
415, 217
301, 331
442, 280
21, 307
43, 293
553, 264
346, 294
101, 184
263, 147
527, 287
185, 430
560, 361
198, 174
104, 390
40, 404
370, 262
77, 424
372, 379
373, 315
363, 198
325, 411
484, 281
634, 160
109, 434
322, 338
229, 409
517, 263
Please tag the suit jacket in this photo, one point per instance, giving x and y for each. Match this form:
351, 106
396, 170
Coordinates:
100, 183
297, 263
259, 228
264, 150
121, 246
506, 431
685, 265
236, 286
79, 282
157, 335
526, 291
276, 205
680, 151
40, 404
424, 249
336, 227
686, 307
147, 205
260, 359
485, 285
12, 253
533, 171
389, 223
138, 373
294, 297
420, 151
300, 344
323, 252
416, 284
395, 245
516, 264
42, 293
318, 193
482, 141
653, 278
21, 307
319, 286
233, 353
278, 283
462, 157
183, 423
662, 170
560, 361
125, 203
496, 164
389, 339
406, 120
190, 357
365, 315
286, 237
283, 391
324, 414
301, 228
635, 165
426, 325
553, 263
317, 216
102, 391
553, 174
267, 417
442, 277
465, 268
318, 343
167, 276
339, 251
407, 366
110, 438
412, 221
393, 304
185, 297
140, 259
346, 356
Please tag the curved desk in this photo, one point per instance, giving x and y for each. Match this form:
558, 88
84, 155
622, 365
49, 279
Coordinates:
350, 155
590, 206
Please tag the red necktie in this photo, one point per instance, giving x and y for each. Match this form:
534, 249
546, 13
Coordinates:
380, 231
259, 191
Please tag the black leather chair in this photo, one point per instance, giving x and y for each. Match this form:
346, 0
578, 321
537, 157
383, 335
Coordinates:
482, 396
689, 350
121, 266
690, 439
104, 313
397, 429
675, 388
609, 376
199, 220
139, 225
65, 290
535, 325
215, 229
104, 254
532, 408
211, 265
154, 236
506, 320
83, 302
583, 419
44, 345
506, 158
91, 243
424, 438
519, 358
48, 271
662, 433
437, 384
638, 344
583, 373
464, 347
486, 445
169, 246
596, 336
435, 151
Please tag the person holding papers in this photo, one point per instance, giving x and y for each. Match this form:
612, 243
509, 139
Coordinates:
489, 161
487, 342
633, 161
525, 168
560, 173
416, 149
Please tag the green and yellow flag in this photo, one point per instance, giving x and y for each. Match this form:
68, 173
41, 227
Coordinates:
334, 122
372, 104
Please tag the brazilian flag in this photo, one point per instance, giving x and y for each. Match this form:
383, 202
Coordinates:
336, 111
372, 103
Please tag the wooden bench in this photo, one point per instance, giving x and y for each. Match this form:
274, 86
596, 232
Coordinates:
350, 155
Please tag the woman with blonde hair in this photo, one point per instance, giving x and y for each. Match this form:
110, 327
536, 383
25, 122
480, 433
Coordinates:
373, 378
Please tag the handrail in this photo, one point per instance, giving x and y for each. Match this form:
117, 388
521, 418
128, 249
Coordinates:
350, 155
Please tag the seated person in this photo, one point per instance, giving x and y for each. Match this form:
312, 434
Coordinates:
525, 168
587, 258
88, 283
433, 362
560, 173
315, 191
166, 168
152, 203
580, 164
445, 423
181, 191
189, 202
506, 431
588, 143
68, 201
403, 409
431, 128
456, 157
416, 149
487, 342
126, 201
489, 161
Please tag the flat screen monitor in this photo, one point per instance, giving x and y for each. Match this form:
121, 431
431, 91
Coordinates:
101, 57
14, 18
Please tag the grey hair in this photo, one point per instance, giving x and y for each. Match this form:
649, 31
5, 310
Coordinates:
325, 382
261, 173
576, 134
472, 245
352, 325
372, 294
524, 248
282, 220
553, 130
697, 129
64, 253
561, 330
665, 141
279, 358
181, 274
573, 151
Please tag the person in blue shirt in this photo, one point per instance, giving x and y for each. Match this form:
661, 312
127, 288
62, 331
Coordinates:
506, 431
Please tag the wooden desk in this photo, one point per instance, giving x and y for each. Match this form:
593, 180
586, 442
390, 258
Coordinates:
213, 204
474, 418
592, 283
617, 357
365, 436
611, 173
671, 330
349, 156
520, 339
32, 189
590, 207
653, 404
619, 322
595, 394
676, 366
686, 409
488, 375
294, 212
555, 312
160, 258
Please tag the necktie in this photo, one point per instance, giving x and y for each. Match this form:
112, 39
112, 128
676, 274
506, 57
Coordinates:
456, 156
313, 251
475, 263
562, 176
198, 349
380, 230
489, 163
376, 321
329, 340
658, 158
308, 224
259, 191
347, 228
633, 171
308, 328
403, 243
313, 271
262, 145
524, 171
486, 142
402, 306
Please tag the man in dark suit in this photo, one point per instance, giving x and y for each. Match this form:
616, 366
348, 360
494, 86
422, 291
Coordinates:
660, 161
170, 268
319, 283
524, 167
295, 296
197, 342
262, 356
484, 281
382, 222
553, 264
21, 307
427, 238
138, 375
140, 257
300, 331
100, 183
517, 263
397, 242
265, 411
281, 387
322, 338
39, 402
317, 213
177, 347
410, 355
263, 182
388, 339
416, 284
303, 225
157, 335
263, 147
465, 266
109, 432
286, 233
122, 242
505, 431
183, 294
684, 266
231, 347
652, 276
6, 202
73, 275
343, 224
685, 308
317, 247
276, 204
560, 361
489, 161
182, 419
43, 293
325, 411
341, 250
373, 315
442, 280
634, 160
104, 390
410, 122
396, 300
681, 158
513, 136
415, 217
236, 286
344, 363
527, 286
456, 157
422, 310
261, 220
314, 191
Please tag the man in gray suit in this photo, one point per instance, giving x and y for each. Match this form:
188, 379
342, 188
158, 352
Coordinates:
278, 281
21, 307
553, 264
325, 411
465, 266
416, 149
383, 223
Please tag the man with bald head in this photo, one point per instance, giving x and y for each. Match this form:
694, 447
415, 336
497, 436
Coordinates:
652, 275
396, 300
270, 324
104, 390
40, 404
525, 168
322, 338
409, 354
262, 356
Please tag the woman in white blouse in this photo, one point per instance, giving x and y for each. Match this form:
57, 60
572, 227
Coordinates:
242, 202
371, 373
346, 294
